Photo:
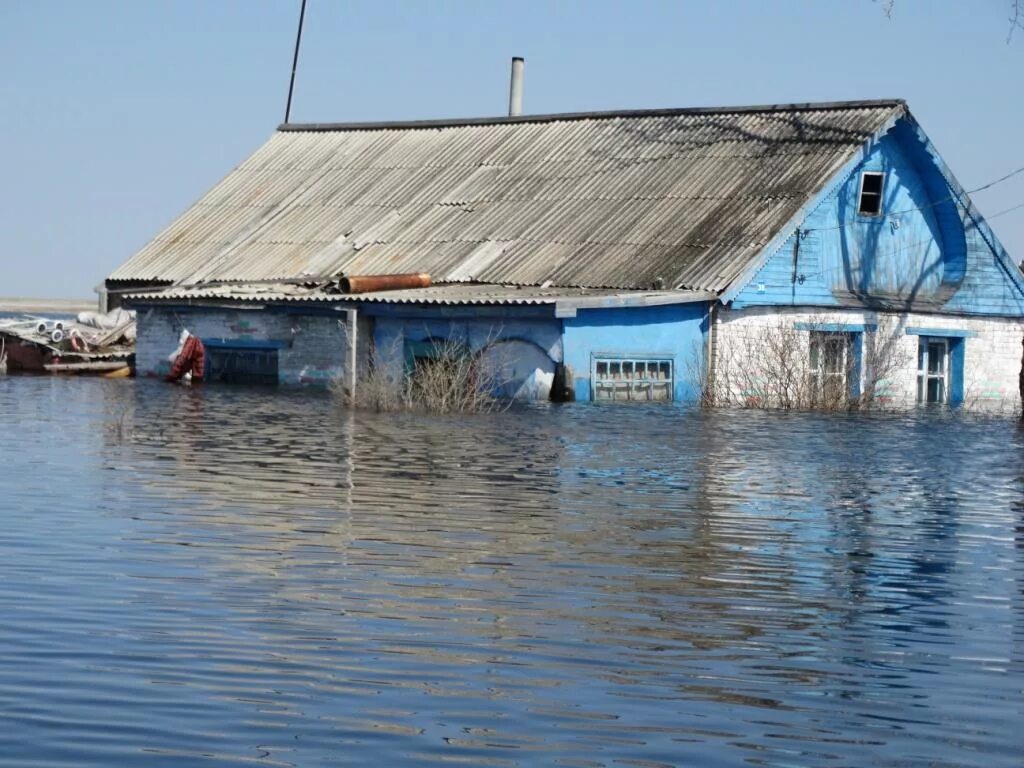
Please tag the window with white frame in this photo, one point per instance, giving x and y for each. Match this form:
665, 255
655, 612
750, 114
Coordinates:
870, 201
831, 366
632, 379
932, 370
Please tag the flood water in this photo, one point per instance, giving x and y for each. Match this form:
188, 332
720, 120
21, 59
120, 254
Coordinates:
218, 576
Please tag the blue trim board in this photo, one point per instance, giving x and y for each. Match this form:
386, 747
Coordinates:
266, 344
187, 308
594, 355
836, 327
956, 372
858, 364
952, 333
435, 312
314, 310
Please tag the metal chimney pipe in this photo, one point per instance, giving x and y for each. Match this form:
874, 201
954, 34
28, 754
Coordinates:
515, 89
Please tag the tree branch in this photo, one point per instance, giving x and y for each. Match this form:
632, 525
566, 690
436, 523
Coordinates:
1016, 19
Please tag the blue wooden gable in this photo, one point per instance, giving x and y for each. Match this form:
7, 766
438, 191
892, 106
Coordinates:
929, 250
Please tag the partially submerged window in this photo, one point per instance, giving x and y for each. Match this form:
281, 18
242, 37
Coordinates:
632, 379
438, 369
933, 370
831, 368
241, 365
870, 193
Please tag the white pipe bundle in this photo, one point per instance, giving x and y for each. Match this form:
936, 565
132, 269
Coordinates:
57, 336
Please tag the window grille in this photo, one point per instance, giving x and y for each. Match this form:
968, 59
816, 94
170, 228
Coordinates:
632, 379
831, 365
932, 370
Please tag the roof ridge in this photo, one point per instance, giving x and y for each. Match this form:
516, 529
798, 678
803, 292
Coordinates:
568, 116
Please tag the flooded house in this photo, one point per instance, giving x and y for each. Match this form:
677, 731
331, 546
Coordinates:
821, 252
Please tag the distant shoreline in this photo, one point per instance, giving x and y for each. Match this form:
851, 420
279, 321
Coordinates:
41, 306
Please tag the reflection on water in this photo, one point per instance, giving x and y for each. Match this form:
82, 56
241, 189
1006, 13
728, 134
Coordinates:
221, 576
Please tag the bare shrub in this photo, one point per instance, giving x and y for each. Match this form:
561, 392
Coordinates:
812, 366
980, 397
449, 379
884, 359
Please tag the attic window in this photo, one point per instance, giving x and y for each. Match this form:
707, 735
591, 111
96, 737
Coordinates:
870, 194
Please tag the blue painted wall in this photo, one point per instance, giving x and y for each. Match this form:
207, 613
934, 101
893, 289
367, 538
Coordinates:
475, 327
925, 250
674, 332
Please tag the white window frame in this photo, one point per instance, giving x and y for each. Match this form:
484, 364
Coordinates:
881, 194
923, 374
618, 387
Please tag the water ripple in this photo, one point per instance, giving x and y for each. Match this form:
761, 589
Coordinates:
221, 577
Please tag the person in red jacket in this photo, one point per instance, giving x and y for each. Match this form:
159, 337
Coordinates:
191, 359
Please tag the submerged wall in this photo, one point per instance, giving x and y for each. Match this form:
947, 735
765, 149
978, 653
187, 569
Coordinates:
529, 344
672, 332
520, 347
984, 359
310, 348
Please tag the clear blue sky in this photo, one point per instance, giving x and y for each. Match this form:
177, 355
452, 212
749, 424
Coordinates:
117, 114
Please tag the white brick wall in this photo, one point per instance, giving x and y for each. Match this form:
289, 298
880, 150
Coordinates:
992, 357
313, 351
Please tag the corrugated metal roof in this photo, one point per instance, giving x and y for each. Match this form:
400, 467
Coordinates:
616, 200
450, 294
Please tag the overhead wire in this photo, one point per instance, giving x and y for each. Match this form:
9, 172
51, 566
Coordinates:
997, 181
949, 198
1005, 210
907, 246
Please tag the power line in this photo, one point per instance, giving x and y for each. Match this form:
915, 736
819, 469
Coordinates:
908, 246
949, 198
997, 181
1006, 210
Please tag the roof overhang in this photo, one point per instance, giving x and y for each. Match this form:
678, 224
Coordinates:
565, 301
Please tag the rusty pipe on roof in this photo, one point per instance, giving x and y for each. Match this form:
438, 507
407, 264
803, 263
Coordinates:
368, 283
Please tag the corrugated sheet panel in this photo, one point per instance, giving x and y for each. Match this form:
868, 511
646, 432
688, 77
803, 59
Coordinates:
450, 294
629, 201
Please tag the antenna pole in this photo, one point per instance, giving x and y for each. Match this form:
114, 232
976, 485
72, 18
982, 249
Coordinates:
295, 63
